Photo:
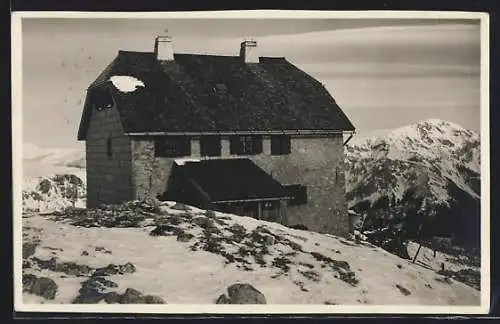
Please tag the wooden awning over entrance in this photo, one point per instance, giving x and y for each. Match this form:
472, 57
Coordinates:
234, 185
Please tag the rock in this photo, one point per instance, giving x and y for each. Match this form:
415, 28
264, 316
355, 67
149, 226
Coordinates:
262, 236
403, 290
44, 186
110, 269
269, 240
151, 204
26, 264
45, 264
112, 298
45, 287
131, 296
150, 299
72, 268
242, 294
127, 268
176, 219
223, 300
93, 290
88, 296
29, 249
85, 253
179, 206
299, 227
184, 237
163, 230
100, 283
28, 281
204, 222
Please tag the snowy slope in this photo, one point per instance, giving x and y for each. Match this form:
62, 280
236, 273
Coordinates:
429, 170
288, 266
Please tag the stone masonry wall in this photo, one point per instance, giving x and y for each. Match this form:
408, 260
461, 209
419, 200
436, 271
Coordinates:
317, 163
108, 180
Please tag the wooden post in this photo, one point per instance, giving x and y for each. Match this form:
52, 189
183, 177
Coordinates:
259, 210
74, 195
283, 212
420, 245
416, 254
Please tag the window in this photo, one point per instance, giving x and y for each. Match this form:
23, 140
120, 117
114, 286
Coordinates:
246, 144
280, 145
102, 100
298, 193
172, 146
109, 148
220, 88
210, 146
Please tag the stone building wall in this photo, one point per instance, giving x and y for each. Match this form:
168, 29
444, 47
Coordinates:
316, 162
108, 179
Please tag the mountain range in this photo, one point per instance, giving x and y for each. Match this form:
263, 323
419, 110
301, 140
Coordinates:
422, 178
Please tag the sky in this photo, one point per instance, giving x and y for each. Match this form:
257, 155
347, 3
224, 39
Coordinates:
383, 73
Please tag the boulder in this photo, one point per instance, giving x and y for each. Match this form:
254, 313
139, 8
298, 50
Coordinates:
112, 298
131, 296
127, 268
45, 287
179, 206
184, 237
204, 222
150, 299
242, 293
29, 249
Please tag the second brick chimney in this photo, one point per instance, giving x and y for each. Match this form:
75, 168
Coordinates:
248, 51
164, 50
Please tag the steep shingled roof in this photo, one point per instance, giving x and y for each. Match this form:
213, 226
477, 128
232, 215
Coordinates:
202, 93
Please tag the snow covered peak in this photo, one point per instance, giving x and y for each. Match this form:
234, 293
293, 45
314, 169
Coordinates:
434, 128
125, 83
435, 160
431, 139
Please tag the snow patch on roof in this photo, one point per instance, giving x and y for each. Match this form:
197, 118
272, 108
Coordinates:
126, 83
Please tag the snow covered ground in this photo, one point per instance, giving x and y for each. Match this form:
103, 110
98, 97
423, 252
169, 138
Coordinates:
300, 267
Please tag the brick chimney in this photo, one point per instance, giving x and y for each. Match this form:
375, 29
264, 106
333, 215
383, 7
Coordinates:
248, 51
164, 50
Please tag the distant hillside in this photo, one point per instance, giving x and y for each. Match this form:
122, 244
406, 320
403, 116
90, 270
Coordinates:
427, 173
53, 156
49, 161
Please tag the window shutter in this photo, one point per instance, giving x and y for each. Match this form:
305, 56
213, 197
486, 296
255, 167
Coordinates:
275, 145
286, 145
172, 146
257, 144
234, 145
186, 145
280, 144
210, 146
